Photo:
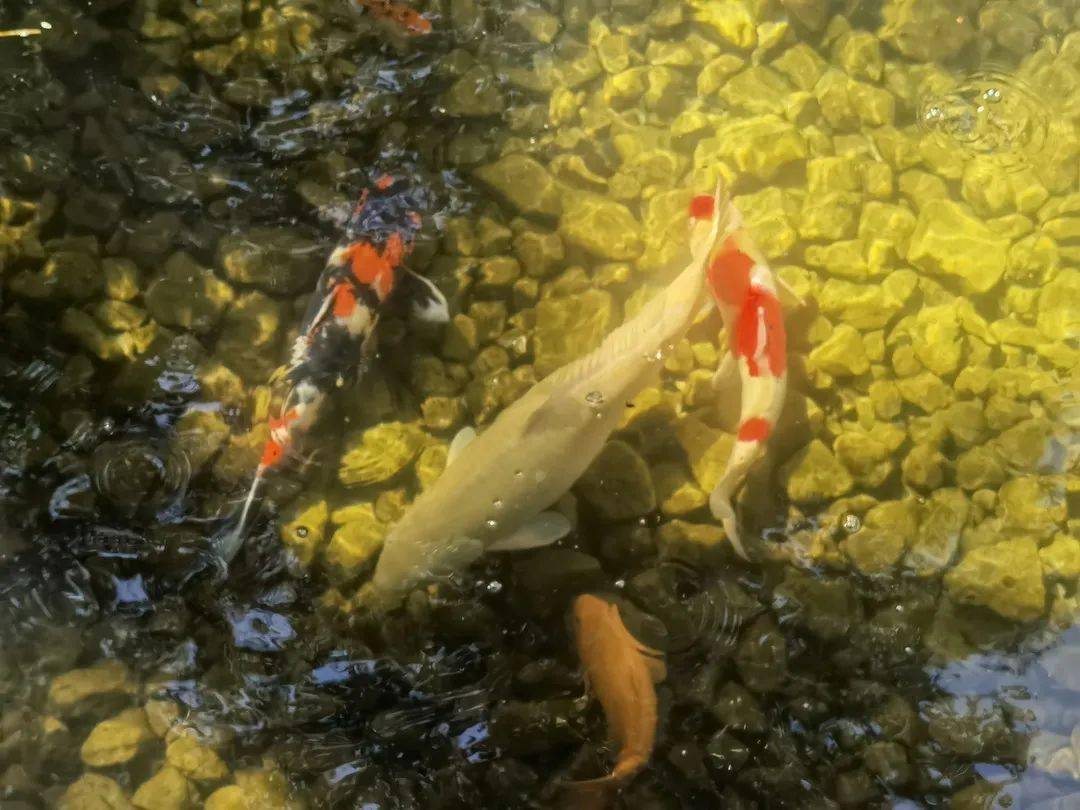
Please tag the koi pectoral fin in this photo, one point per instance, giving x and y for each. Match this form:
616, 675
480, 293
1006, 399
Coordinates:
426, 301
543, 530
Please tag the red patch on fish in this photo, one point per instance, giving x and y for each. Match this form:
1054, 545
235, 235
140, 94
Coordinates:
754, 430
759, 333
394, 251
371, 268
729, 274
272, 454
703, 206
344, 300
384, 182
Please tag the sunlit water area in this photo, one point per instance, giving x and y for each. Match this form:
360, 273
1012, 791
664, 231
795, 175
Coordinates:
446, 405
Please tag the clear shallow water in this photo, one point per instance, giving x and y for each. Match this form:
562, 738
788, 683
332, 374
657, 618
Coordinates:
175, 175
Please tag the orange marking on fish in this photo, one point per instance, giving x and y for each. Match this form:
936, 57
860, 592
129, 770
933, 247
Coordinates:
344, 300
273, 452
621, 672
409, 19
729, 274
703, 206
394, 250
754, 430
360, 203
384, 182
367, 264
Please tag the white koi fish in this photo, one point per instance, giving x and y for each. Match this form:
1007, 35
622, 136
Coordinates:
496, 486
744, 289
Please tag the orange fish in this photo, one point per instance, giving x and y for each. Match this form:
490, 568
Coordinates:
621, 672
408, 18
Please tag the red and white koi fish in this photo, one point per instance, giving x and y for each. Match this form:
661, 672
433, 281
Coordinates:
337, 334
621, 672
412, 21
744, 290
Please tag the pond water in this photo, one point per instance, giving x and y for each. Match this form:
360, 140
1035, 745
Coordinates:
176, 174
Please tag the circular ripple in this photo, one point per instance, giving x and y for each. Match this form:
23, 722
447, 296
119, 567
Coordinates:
132, 474
989, 113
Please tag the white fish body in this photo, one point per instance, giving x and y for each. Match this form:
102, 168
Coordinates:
493, 492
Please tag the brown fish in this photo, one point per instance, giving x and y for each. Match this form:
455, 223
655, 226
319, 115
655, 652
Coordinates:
621, 672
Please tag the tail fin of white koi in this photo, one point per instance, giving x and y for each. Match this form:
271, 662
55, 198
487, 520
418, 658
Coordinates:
743, 455
228, 545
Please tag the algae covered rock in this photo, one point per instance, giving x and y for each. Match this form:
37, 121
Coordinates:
828, 608
276, 260
524, 183
475, 94
928, 30
66, 274
874, 551
842, 354
117, 740
948, 241
84, 691
816, 475
195, 760
761, 658
1033, 504
1005, 577
934, 545
618, 485
569, 327
94, 791
355, 543
249, 335
379, 453
1059, 306
761, 146
706, 449
168, 789
600, 226
188, 295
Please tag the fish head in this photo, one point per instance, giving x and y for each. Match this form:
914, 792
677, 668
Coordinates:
588, 611
389, 208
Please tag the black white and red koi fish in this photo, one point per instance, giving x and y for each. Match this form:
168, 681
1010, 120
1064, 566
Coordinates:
744, 290
410, 20
361, 279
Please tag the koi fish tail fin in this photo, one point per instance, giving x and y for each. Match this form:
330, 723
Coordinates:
228, 544
588, 793
743, 455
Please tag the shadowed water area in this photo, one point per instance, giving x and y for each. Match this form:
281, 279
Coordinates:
174, 175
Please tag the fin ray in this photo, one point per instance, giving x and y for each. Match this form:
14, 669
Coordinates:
543, 530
